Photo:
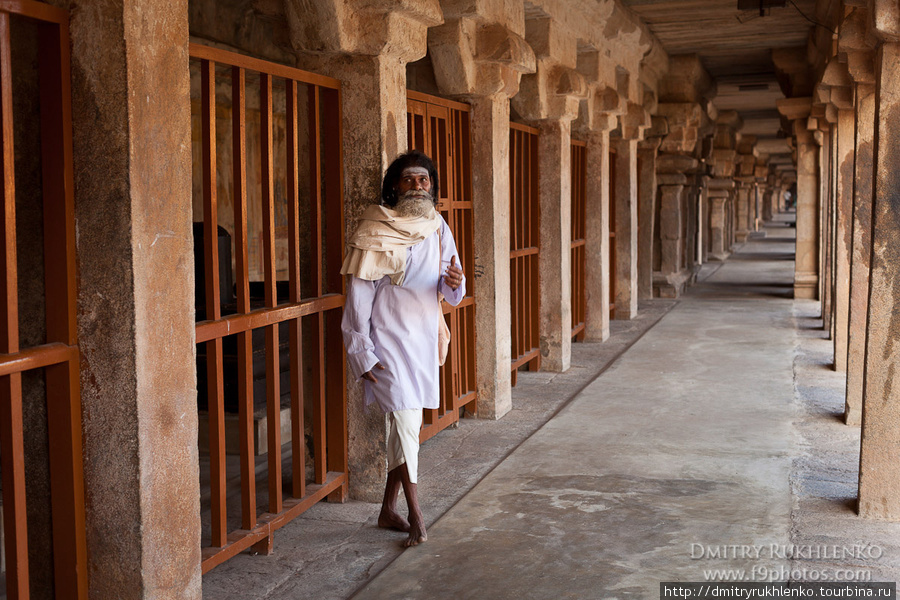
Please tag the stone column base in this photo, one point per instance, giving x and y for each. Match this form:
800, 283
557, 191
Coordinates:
806, 286
718, 257
741, 236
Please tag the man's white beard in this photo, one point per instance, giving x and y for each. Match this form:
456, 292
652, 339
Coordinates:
415, 203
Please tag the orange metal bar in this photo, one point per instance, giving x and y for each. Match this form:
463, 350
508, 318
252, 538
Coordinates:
62, 381
201, 52
214, 376
35, 10
12, 452
262, 317
273, 387
298, 448
36, 357
242, 269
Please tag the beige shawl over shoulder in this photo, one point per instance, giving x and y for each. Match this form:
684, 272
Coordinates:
378, 247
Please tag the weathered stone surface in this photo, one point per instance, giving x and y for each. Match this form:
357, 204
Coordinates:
647, 191
597, 237
470, 58
879, 469
676, 163
806, 278
363, 26
626, 228
136, 301
717, 217
844, 233
684, 121
490, 166
861, 251
554, 157
687, 81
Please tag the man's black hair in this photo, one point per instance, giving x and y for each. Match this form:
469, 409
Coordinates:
413, 158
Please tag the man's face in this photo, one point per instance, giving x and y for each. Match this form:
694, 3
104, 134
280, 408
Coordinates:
413, 178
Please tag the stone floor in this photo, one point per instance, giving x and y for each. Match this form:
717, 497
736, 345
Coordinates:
701, 442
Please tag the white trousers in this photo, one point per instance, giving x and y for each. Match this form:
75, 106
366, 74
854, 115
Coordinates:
403, 441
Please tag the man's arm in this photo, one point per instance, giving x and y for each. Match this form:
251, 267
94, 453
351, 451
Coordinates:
453, 281
356, 324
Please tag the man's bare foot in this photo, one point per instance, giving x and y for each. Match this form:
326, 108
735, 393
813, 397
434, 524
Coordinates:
417, 535
389, 519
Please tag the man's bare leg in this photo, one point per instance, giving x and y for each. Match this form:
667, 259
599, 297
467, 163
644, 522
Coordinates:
417, 533
389, 518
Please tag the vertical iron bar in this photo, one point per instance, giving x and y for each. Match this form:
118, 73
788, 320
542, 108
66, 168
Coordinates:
12, 452
273, 362
62, 381
215, 395
298, 452
242, 268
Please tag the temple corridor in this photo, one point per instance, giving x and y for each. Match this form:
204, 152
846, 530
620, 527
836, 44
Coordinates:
733, 437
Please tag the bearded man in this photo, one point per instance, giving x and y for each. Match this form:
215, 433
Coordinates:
400, 259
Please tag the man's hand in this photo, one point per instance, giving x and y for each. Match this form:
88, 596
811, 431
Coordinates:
369, 375
454, 275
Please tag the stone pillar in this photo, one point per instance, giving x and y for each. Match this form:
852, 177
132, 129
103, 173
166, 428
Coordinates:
879, 469
742, 214
673, 185
136, 299
374, 127
469, 71
371, 65
490, 168
844, 221
861, 252
626, 228
597, 240
718, 218
554, 164
703, 222
826, 235
806, 267
647, 151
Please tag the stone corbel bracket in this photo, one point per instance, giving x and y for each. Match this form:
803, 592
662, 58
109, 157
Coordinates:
684, 120
476, 59
397, 28
635, 122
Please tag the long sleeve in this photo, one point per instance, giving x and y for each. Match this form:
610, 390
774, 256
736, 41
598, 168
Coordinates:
356, 325
448, 250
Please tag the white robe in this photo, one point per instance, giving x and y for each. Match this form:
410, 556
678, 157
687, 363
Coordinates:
397, 325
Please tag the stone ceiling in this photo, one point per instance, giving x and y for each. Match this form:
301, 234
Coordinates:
734, 46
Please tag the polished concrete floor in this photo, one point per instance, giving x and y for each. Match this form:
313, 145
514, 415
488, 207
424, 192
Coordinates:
703, 443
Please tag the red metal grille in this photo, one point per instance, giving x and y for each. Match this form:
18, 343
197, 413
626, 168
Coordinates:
59, 354
579, 216
440, 128
287, 245
524, 250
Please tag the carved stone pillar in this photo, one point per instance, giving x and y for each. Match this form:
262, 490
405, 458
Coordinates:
862, 250
806, 270
879, 469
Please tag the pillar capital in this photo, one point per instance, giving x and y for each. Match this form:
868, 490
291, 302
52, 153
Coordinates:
684, 121
634, 122
553, 92
472, 58
335, 26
